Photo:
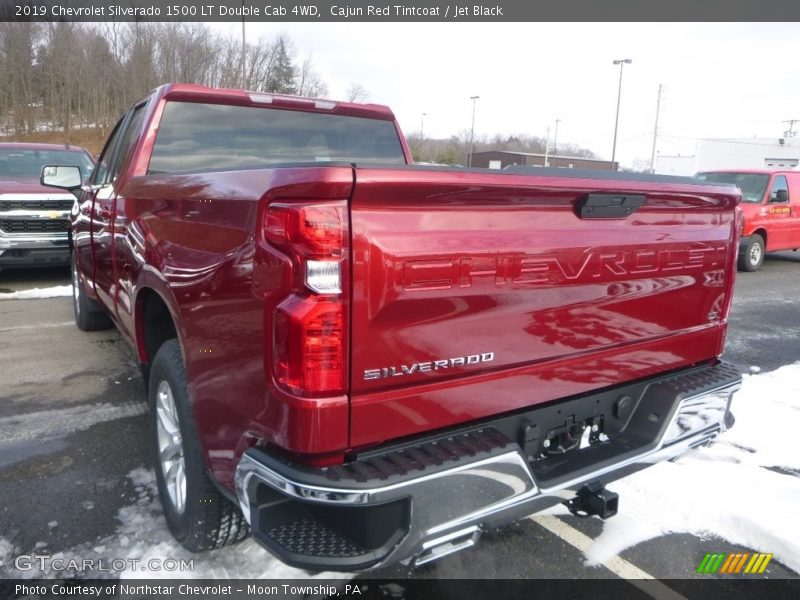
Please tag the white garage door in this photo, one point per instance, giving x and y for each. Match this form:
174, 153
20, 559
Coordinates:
780, 163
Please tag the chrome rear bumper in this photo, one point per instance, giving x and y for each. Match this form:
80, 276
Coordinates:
444, 507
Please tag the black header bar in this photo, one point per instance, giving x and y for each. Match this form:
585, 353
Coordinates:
452, 11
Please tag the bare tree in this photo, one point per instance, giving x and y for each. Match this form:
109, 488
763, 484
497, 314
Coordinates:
357, 93
18, 42
309, 83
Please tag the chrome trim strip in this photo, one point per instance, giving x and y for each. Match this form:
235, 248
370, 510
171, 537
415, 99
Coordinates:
49, 241
249, 468
39, 213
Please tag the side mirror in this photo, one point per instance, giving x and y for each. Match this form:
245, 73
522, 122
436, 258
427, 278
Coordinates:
780, 196
64, 177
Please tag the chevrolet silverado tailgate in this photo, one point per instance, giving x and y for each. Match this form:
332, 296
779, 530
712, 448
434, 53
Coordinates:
476, 293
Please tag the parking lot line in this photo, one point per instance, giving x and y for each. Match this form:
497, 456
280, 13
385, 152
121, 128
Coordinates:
617, 565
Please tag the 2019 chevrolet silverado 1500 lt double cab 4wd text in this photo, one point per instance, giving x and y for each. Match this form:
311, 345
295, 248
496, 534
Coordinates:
372, 362
771, 211
34, 220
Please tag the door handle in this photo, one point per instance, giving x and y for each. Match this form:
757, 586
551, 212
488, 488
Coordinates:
102, 213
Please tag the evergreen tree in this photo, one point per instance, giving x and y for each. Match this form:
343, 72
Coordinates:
282, 76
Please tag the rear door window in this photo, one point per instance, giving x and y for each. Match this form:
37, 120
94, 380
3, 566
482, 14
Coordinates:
779, 185
128, 141
214, 137
104, 162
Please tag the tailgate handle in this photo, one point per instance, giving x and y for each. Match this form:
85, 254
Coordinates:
608, 206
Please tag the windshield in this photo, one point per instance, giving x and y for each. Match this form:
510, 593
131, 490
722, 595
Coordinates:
25, 163
751, 184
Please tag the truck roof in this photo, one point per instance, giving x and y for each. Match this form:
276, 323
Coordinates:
749, 171
199, 93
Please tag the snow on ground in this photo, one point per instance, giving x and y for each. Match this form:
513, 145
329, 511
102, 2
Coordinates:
143, 536
6, 552
46, 424
35, 293
744, 489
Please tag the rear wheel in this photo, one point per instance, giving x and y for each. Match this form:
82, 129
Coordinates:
753, 255
198, 515
89, 315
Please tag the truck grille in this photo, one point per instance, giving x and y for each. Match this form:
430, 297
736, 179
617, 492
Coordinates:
34, 204
34, 225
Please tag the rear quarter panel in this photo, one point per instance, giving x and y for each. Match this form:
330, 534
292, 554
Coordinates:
195, 240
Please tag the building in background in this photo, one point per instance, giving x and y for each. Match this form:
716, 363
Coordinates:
733, 153
500, 159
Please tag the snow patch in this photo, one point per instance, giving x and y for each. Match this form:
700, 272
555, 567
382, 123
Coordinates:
6, 551
743, 489
143, 537
47, 424
37, 293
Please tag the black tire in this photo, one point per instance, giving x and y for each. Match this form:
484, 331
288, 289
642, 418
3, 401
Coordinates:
752, 257
89, 315
207, 519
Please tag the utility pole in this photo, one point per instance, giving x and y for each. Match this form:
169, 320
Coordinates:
422, 126
791, 133
621, 62
244, 53
655, 133
555, 142
547, 147
472, 130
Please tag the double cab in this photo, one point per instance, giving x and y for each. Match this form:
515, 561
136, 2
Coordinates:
365, 362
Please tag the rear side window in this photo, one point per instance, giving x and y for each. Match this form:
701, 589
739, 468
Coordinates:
215, 137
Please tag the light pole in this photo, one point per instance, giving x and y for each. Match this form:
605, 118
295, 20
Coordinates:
472, 130
422, 126
621, 62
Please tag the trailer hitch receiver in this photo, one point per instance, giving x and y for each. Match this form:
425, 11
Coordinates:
594, 499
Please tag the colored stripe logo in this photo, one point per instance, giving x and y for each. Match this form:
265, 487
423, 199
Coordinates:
734, 564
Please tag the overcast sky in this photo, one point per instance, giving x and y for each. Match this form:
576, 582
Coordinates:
720, 80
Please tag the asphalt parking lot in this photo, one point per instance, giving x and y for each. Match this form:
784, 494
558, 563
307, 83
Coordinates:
75, 466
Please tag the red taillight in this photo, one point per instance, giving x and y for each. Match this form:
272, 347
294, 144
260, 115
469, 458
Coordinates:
315, 230
309, 346
309, 328
739, 221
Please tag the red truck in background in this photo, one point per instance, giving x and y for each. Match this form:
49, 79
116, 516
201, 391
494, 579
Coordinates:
771, 210
371, 362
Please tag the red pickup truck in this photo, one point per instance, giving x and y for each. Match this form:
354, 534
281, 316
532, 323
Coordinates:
771, 210
372, 362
